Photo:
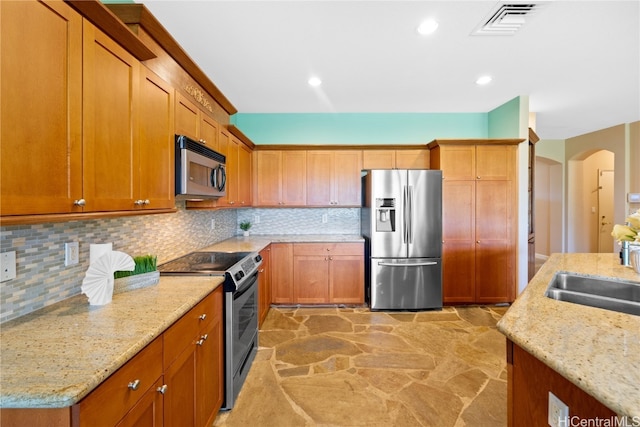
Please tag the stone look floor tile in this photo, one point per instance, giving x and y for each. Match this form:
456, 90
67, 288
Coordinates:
339, 367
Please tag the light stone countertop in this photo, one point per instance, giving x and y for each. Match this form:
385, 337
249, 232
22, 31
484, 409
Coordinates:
54, 357
597, 350
255, 243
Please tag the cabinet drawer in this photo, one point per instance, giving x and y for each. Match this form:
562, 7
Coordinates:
185, 330
328, 249
108, 403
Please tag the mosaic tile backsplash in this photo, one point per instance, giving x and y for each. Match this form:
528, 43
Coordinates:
42, 278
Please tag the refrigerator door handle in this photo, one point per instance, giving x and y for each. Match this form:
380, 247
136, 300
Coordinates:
410, 214
405, 203
418, 264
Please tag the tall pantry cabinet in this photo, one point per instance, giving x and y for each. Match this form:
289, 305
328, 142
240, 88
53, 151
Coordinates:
479, 219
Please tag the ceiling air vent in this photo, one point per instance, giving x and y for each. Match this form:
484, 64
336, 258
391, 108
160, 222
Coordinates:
506, 18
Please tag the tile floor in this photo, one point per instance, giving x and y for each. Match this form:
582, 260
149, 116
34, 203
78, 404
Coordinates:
353, 367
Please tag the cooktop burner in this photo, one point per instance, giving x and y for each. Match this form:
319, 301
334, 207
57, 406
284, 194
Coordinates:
214, 263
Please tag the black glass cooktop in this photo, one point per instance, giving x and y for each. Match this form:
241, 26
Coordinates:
213, 263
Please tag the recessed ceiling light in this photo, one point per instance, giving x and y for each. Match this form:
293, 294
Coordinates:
314, 81
483, 80
428, 27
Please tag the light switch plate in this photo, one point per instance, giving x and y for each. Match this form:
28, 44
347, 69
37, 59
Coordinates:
558, 412
7, 266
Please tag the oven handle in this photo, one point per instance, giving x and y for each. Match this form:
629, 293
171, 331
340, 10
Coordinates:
247, 284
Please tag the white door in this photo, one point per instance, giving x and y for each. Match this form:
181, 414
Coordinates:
605, 210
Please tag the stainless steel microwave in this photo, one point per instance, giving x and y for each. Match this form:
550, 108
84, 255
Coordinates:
200, 171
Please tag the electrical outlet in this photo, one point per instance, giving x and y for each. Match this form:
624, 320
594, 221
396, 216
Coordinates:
558, 412
213, 224
71, 253
256, 219
325, 218
7, 266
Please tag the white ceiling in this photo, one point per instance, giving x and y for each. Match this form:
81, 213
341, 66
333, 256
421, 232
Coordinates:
578, 61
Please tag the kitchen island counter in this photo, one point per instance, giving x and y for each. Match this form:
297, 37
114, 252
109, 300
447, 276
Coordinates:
55, 356
597, 350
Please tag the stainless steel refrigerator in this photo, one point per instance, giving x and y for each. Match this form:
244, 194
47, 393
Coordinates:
401, 220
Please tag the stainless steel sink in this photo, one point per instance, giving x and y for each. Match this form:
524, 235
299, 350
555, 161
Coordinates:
611, 294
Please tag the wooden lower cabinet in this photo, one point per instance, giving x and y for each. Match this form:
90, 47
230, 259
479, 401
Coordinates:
529, 384
176, 380
264, 285
193, 358
318, 273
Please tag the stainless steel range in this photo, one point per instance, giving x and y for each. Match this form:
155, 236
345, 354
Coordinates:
240, 271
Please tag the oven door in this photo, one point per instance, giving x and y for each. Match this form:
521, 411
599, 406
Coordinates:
241, 333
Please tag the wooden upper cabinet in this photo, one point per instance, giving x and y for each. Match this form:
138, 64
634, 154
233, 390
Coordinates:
281, 178
333, 177
378, 159
412, 159
395, 159
155, 154
244, 174
456, 162
110, 122
194, 123
41, 108
495, 162
187, 117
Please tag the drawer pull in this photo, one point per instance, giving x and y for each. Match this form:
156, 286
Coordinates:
205, 336
202, 316
162, 389
202, 339
133, 385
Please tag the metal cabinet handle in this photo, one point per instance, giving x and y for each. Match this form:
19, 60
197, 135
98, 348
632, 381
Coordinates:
137, 202
202, 316
205, 336
80, 202
202, 141
146, 202
478, 241
162, 389
133, 385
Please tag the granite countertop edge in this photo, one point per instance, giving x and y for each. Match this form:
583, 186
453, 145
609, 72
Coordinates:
597, 350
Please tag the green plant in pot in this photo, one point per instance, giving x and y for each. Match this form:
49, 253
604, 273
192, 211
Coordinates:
144, 264
245, 226
145, 273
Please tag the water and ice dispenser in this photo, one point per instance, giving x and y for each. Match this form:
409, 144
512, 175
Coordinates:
386, 214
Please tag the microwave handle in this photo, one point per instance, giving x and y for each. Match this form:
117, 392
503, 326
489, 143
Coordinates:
220, 177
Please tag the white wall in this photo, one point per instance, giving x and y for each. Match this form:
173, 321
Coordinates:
548, 206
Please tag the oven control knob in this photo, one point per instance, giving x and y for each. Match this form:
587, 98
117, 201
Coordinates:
239, 275
258, 258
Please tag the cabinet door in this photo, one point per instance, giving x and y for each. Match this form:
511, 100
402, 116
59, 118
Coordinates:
110, 122
244, 175
294, 178
495, 162
412, 159
282, 273
346, 279
264, 285
378, 159
311, 279
268, 171
179, 399
148, 412
458, 162
155, 155
209, 131
187, 118
210, 365
458, 231
229, 148
319, 178
346, 178
495, 270
41, 108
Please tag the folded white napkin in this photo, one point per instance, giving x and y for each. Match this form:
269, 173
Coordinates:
98, 281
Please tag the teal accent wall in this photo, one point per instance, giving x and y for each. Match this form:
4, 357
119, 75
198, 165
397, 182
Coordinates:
359, 128
504, 121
